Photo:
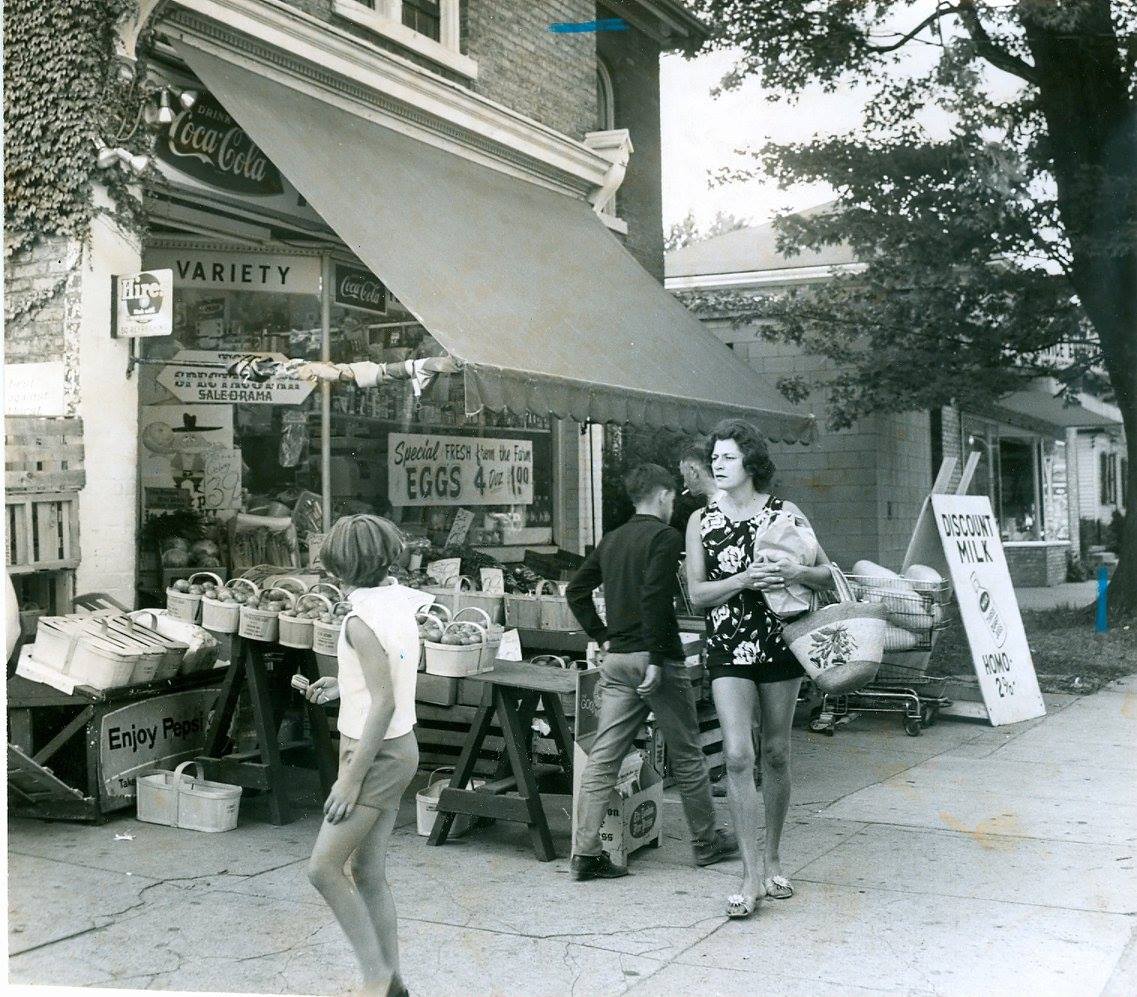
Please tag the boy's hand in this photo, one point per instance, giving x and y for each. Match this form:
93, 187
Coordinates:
653, 679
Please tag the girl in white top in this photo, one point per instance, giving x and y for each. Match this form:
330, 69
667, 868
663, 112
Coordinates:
378, 665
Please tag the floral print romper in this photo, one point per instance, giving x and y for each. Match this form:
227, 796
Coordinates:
744, 638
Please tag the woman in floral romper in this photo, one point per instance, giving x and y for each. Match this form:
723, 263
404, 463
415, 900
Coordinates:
752, 670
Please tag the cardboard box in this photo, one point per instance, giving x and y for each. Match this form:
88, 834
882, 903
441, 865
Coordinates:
437, 689
633, 819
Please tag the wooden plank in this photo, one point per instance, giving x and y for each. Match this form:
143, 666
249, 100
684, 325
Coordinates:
36, 424
41, 452
46, 532
478, 804
23, 517
44, 481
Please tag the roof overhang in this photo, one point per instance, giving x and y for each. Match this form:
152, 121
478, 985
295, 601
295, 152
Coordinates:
668, 22
1043, 402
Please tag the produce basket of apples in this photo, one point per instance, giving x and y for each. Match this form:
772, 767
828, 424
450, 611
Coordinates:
261, 620
458, 652
297, 625
183, 597
221, 606
326, 630
494, 633
432, 620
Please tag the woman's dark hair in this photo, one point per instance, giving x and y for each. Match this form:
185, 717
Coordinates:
755, 454
641, 481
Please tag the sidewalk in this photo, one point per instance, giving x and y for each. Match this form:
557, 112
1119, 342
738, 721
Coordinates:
968, 861
1068, 595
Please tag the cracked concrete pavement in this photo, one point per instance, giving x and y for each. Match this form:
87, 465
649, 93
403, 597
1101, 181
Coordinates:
967, 861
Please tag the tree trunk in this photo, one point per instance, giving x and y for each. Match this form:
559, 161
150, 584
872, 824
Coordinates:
1084, 97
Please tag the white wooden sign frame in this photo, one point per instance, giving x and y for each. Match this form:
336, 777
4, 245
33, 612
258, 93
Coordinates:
983, 591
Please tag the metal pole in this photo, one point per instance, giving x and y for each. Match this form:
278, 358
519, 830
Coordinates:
326, 391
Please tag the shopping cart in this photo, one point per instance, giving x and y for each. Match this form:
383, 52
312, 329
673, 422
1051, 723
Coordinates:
917, 613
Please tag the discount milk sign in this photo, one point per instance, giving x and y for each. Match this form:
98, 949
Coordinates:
973, 550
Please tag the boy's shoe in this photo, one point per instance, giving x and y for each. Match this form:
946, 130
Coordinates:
596, 867
724, 846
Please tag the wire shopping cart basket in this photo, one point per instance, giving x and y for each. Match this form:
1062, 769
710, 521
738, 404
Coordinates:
917, 613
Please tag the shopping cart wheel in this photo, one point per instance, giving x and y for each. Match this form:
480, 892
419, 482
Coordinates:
912, 726
927, 715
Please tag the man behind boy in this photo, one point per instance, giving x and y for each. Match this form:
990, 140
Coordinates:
642, 671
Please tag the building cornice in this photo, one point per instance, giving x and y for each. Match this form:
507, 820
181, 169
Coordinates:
317, 58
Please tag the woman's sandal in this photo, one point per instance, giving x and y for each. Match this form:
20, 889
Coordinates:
778, 888
739, 906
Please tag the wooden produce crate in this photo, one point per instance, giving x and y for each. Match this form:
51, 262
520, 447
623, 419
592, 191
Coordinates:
42, 531
43, 455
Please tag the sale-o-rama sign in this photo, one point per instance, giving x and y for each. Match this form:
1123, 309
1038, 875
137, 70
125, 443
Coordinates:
190, 382
458, 470
973, 549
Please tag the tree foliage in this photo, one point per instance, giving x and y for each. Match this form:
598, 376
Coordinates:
687, 231
63, 98
999, 249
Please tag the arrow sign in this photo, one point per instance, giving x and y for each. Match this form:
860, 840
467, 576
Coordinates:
198, 384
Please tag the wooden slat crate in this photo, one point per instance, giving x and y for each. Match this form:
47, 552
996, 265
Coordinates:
43, 455
41, 532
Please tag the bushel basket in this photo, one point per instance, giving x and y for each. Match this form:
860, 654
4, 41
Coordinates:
839, 646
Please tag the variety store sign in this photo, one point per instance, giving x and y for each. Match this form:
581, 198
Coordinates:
275, 273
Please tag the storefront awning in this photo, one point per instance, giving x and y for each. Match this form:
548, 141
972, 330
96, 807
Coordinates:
543, 306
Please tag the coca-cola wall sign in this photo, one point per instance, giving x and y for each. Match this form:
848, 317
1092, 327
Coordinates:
208, 145
356, 288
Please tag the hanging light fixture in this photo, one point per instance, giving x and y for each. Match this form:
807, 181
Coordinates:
187, 98
106, 157
165, 115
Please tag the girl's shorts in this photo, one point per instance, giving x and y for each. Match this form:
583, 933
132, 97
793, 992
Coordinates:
390, 771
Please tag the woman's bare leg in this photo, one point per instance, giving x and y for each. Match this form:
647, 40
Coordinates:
369, 867
736, 700
334, 846
777, 701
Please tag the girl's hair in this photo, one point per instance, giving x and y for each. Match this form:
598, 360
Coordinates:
361, 549
755, 455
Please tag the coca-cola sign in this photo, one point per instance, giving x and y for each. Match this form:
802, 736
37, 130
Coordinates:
357, 288
208, 145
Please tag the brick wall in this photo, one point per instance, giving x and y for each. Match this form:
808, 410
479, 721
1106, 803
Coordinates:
903, 480
522, 64
39, 335
632, 59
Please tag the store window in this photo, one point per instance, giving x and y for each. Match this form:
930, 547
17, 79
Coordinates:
1108, 476
605, 98
431, 28
215, 447
424, 17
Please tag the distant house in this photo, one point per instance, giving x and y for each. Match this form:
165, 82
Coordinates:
1045, 465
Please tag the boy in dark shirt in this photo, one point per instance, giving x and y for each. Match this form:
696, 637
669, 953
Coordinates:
642, 671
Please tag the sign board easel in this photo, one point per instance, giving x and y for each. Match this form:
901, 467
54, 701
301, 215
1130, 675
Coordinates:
958, 535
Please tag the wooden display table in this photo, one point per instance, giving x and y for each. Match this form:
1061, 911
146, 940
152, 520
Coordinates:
513, 692
264, 768
98, 741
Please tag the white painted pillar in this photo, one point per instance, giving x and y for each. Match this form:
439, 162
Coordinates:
108, 404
